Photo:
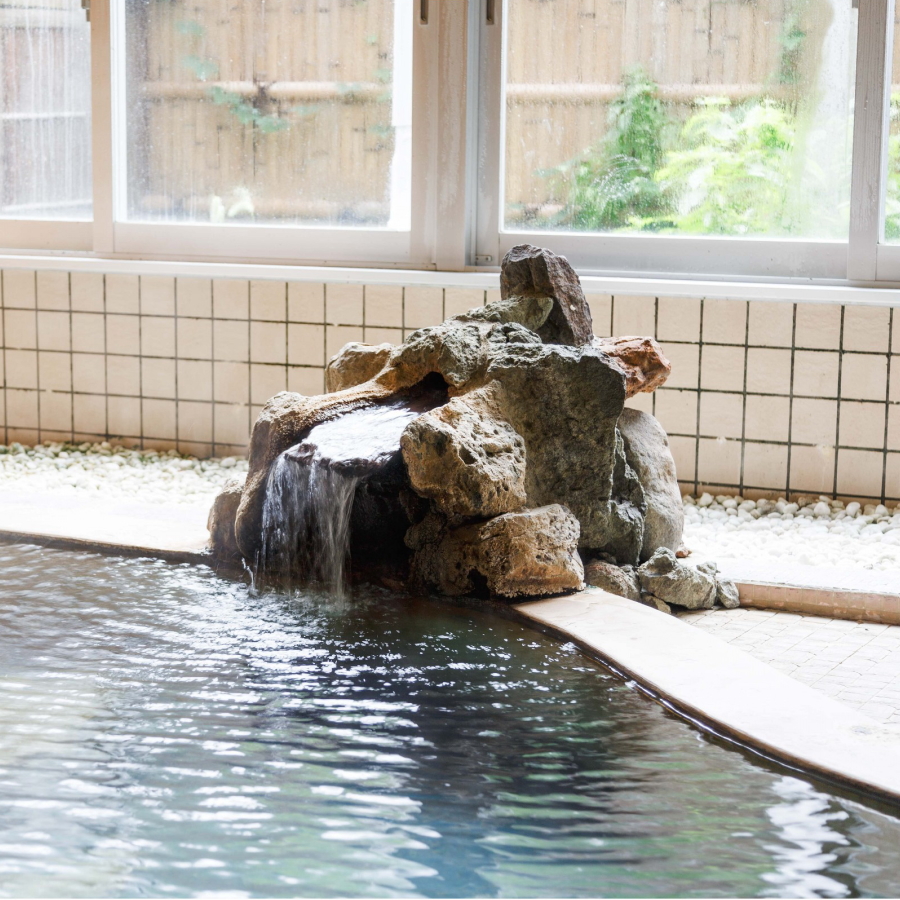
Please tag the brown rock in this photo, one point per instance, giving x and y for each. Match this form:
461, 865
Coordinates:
354, 364
640, 359
618, 580
531, 271
533, 552
466, 458
220, 523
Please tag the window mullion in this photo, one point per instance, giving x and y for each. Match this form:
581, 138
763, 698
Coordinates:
490, 177
874, 42
101, 131
451, 18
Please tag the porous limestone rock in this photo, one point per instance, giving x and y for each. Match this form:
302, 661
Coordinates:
465, 458
619, 580
221, 521
526, 422
668, 580
529, 311
527, 271
641, 360
565, 402
355, 363
528, 553
647, 452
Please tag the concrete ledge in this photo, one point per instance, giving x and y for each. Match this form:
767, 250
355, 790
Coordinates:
92, 523
727, 690
864, 596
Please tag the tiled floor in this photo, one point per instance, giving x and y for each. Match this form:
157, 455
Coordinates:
856, 663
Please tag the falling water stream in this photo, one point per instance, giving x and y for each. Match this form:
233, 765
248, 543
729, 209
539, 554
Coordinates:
311, 488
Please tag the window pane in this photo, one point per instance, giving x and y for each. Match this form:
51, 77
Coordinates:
709, 117
45, 110
892, 199
269, 111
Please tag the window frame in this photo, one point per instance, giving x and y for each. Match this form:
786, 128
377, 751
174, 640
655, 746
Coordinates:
862, 259
111, 234
458, 179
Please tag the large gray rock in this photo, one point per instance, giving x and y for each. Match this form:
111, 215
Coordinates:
465, 458
529, 553
529, 271
667, 579
565, 403
648, 455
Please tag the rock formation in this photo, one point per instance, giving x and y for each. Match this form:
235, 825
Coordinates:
522, 462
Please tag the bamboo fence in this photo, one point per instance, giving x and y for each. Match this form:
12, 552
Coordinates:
283, 107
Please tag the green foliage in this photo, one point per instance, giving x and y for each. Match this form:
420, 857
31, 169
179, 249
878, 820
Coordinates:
204, 69
892, 200
791, 40
613, 184
247, 113
731, 173
728, 169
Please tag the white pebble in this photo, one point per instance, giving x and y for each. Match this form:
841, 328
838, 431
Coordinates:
823, 533
102, 470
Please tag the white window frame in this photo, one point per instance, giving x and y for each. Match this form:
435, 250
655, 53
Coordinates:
111, 234
457, 180
784, 260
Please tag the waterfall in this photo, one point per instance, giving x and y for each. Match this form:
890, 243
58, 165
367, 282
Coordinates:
311, 488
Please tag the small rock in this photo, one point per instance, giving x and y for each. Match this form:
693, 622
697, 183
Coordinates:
682, 552
727, 593
656, 603
621, 581
673, 582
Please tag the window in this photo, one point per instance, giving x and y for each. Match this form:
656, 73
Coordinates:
279, 113
699, 117
45, 113
716, 138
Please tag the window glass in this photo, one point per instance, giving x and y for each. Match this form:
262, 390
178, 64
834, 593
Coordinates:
45, 110
892, 200
269, 111
688, 117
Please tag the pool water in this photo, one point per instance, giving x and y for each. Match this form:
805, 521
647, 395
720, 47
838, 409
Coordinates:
164, 732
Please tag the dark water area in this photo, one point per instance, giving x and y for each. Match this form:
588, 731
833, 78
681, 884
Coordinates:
167, 732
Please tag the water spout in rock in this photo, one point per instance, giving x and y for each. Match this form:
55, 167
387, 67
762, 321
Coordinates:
311, 489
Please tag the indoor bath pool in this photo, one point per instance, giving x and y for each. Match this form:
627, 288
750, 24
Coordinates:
164, 732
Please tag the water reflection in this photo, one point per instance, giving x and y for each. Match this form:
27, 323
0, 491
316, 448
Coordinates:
168, 733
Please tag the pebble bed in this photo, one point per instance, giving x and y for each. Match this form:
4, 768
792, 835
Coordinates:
813, 531
103, 470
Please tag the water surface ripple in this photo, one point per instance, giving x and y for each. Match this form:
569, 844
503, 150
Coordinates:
165, 733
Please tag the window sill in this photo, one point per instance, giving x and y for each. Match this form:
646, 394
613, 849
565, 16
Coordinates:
783, 291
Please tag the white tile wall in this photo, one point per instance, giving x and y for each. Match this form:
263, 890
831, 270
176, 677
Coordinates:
763, 396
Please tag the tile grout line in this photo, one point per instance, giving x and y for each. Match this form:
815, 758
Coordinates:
699, 399
787, 484
71, 356
744, 394
887, 404
837, 432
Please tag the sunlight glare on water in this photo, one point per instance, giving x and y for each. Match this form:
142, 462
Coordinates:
163, 732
